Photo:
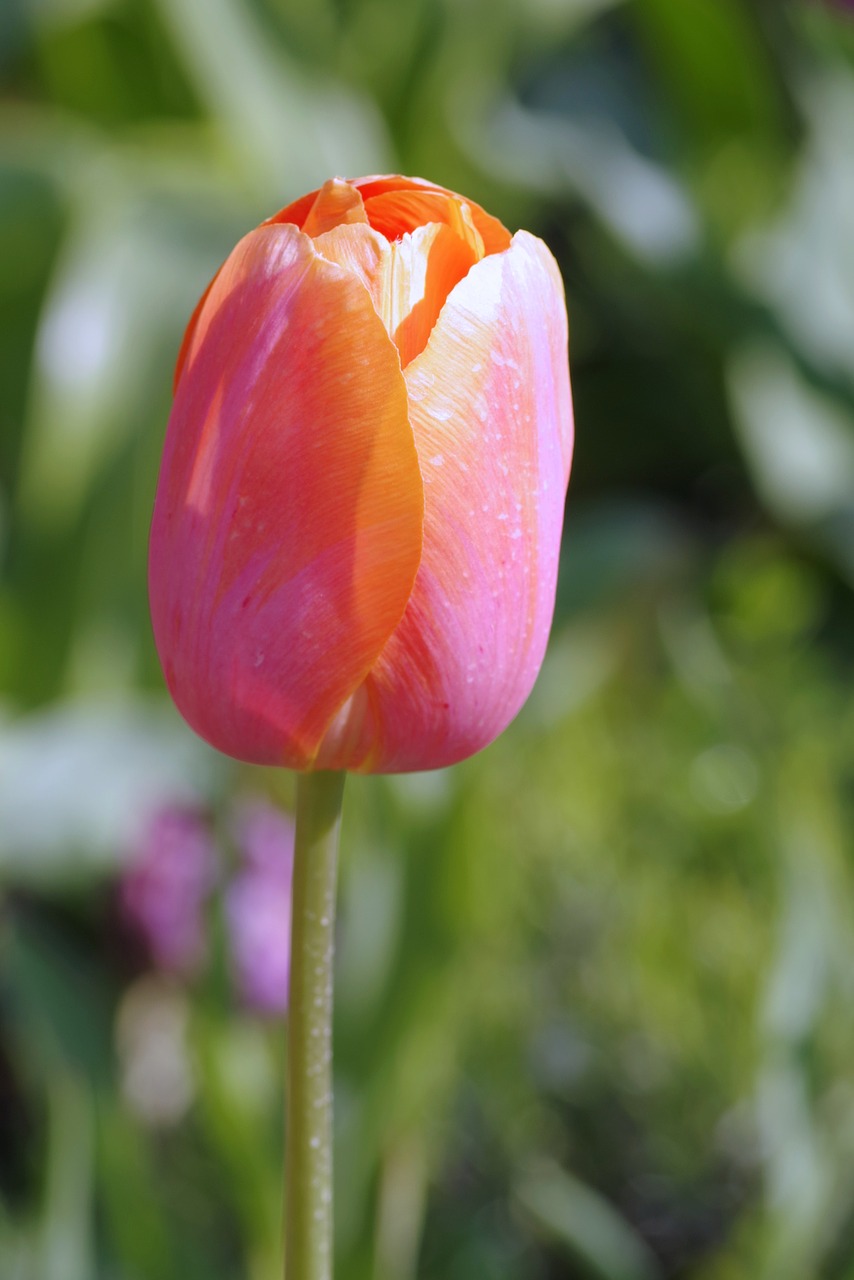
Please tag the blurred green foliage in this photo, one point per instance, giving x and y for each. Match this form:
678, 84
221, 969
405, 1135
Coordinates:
595, 985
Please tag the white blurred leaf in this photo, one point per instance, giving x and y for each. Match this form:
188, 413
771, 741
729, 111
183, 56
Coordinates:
78, 781
125, 274
640, 203
291, 131
798, 442
580, 661
803, 264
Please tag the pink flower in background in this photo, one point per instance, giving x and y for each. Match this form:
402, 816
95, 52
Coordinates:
175, 869
258, 908
265, 838
163, 892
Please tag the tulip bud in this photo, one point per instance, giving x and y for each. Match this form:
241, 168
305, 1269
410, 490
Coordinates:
356, 532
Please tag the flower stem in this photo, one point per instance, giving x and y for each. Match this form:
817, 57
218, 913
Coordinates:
308, 1161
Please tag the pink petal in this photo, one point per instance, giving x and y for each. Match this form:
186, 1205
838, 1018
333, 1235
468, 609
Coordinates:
287, 526
490, 408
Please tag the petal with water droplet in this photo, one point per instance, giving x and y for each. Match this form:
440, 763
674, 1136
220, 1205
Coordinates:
464, 658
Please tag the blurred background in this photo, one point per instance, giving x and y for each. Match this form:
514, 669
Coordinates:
595, 986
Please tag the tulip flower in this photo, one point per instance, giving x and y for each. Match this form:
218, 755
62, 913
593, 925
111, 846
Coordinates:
355, 537
355, 541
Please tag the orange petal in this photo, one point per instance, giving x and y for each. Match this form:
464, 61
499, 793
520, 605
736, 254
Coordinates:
363, 251
490, 408
493, 233
336, 203
295, 213
400, 211
423, 268
288, 520
408, 280
461, 221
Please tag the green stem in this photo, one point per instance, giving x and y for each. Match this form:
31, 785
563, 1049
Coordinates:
308, 1161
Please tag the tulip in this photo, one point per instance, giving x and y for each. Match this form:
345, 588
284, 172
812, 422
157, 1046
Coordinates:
356, 532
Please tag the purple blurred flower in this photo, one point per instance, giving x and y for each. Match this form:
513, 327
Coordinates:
259, 920
258, 907
164, 889
265, 838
